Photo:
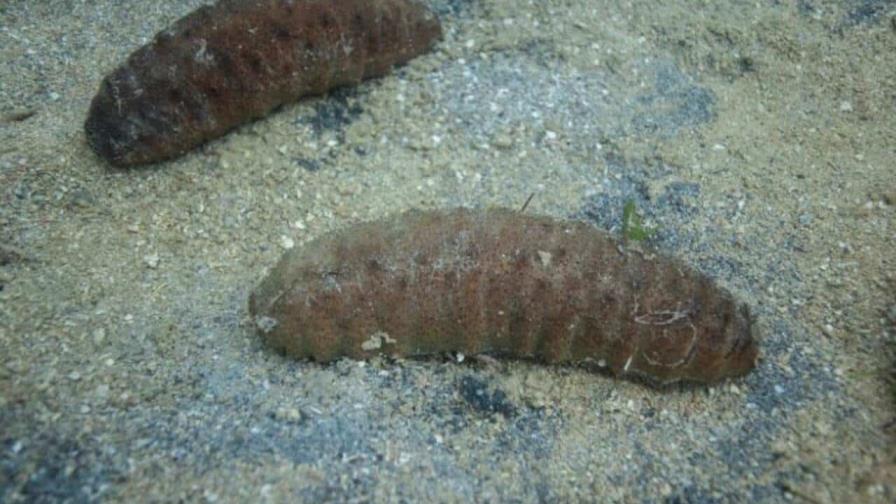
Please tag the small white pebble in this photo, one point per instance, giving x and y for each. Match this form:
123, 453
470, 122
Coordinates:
151, 260
287, 242
99, 335
102, 391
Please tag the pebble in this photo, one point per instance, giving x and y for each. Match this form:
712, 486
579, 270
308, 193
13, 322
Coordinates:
81, 198
289, 414
151, 260
502, 142
99, 335
19, 114
102, 392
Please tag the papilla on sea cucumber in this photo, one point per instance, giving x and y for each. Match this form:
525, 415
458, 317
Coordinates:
224, 65
502, 283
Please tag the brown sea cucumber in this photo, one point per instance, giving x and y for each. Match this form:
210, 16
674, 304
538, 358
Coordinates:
502, 283
223, 65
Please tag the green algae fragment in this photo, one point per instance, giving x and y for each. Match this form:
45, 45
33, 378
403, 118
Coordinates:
633, 227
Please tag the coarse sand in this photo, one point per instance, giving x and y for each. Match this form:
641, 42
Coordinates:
755, 138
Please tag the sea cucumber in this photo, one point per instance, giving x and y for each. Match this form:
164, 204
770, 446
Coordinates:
224, 65
503, 283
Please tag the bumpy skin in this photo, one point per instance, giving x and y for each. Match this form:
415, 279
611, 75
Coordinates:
502, 283
233, 62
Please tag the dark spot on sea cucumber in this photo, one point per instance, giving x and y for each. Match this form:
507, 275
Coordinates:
255, 63
281, 32
326, 21
358, 21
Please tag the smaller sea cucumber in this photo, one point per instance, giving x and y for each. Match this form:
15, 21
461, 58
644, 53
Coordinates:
223, 65
501, 282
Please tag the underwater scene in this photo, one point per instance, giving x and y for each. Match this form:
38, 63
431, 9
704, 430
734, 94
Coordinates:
448, 251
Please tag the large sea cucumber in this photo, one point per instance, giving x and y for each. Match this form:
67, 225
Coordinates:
503, 283
223, 65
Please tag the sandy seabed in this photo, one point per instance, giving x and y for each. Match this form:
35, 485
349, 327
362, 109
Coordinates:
756, 139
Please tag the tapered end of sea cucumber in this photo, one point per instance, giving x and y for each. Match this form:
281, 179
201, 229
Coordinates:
742, 342
103, 134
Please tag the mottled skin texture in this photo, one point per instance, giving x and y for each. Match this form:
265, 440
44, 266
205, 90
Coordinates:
233, 62
502, 283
